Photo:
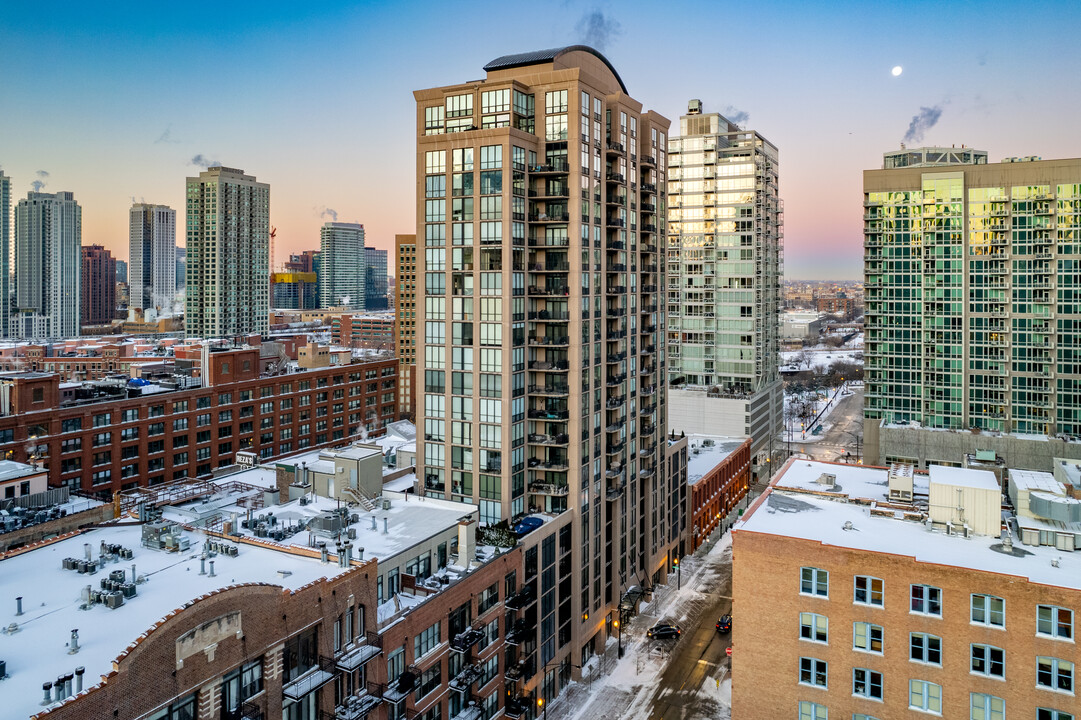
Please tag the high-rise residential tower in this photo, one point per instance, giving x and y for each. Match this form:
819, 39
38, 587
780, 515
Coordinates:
98, 303
5, 255
972, 315
375, 279
228, 254
540, 354
341, 265
724, 277
405, 321
48, 264
152, 254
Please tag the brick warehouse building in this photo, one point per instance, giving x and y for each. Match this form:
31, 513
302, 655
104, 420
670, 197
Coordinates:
276, 631
102, 437
719, 476
893, 594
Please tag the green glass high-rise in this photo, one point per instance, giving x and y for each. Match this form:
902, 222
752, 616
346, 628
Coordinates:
973, 301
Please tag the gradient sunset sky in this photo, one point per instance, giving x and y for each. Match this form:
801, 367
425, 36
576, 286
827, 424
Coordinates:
113, 100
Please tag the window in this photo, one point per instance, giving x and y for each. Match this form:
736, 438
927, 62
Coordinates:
868, 591
812, 672
926, 600
242, 684
861, 716
425, 642
1056, 622
925, 648
813, 627
988, 660
923, 695
814, 581
867, 637
986, 707
812, 711
71, 425
129, 415
1049, 714
183, 709
867, 683
102, 420
1054, 674
988, 610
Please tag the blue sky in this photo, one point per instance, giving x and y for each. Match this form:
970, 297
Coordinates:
114, 101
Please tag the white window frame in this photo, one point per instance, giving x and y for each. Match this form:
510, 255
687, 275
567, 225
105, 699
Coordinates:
815, 667
1043, 713
812, 711
1055, 674
810, 622
869, 593
984, 652
811, 577
868, 682
1053, 623
925, 648
984, 707
926, 600
866, 631
928, 695
983, 605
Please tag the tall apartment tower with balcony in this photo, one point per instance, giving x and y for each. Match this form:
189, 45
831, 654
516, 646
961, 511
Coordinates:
152, 254
228, 254
724, 276
540, 376
375, 279
405, 321
5, 255
342, 272
48, 265
973, 321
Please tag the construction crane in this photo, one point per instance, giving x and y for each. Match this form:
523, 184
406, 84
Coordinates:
273, 234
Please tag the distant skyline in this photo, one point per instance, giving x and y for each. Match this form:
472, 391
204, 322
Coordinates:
120, 102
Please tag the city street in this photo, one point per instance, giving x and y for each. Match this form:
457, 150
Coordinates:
846, 424
684, 679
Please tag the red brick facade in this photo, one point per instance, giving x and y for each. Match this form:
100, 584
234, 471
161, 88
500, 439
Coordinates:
114, 444
714, 496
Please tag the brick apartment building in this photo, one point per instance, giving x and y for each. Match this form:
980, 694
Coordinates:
836, 304
368, 330
719, 476
98, 285
108, 436
886, 594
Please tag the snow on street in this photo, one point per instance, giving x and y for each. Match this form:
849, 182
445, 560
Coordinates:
637, 687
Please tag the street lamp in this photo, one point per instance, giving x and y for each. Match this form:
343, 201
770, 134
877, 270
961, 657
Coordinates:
679, 574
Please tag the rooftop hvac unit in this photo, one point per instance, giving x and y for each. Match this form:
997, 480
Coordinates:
114, 600
386, 503
827, 479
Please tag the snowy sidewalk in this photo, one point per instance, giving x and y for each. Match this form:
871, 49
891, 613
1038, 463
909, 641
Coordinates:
624, 688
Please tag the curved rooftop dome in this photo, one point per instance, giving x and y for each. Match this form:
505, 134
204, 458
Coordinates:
538, 57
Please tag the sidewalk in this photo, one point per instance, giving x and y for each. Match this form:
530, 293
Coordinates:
624, 689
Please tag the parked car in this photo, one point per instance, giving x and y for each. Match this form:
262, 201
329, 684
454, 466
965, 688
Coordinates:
663, 630
724, 625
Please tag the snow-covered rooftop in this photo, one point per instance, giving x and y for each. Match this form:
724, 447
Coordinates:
788, 509
53, 603
1035, 480
712, 451
963, 477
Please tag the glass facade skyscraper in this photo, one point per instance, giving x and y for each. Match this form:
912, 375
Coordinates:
724, 259
972, 290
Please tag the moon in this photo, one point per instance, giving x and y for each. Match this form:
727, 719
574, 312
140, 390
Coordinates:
897, 70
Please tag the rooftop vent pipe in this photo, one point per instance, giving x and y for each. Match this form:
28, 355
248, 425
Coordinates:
74, 642
386, 526
79, 679
18, 605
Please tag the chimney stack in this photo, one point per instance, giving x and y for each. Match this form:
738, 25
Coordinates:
79, 679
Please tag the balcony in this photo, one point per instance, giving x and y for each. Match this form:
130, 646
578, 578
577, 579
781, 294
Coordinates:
614, 177
542, 439
616, 449
615, 222
464, 641
550, 267
521, 600
649, 160
614, 380
473, 710
547, 341
517, 707
555, 167
518, 632
649, 228
614, 148
545, 415
355, 707
649, 208
615, 492
313, 679
616, 199
549, 218
465, 678
649, 188
546, 242
550, 390
539, 488
547, 366
614, 403
351, 659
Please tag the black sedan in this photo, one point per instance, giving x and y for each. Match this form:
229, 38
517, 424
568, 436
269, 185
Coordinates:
663, 630
724, 625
